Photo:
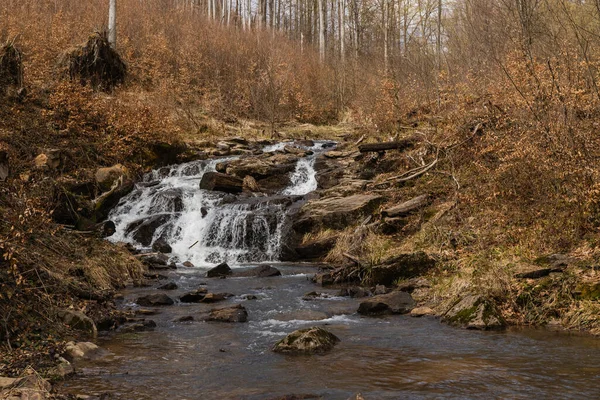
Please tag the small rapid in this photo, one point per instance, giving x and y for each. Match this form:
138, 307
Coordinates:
209, 227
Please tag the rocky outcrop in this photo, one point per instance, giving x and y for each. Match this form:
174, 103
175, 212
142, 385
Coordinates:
153, 300
78, 321
335, 212
313, 340
221, 182
403, 266
235, 313
219, 271
474, 312
396, 302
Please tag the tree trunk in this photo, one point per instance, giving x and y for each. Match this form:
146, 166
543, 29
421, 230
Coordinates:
112, 23
321, 31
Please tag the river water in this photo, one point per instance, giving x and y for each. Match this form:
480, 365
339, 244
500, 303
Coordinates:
393, 357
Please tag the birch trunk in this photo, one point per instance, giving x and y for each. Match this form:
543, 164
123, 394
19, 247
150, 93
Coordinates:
112, 23
321, 31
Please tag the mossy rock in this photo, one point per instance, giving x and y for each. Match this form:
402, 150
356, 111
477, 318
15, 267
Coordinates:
312, 340
474, 312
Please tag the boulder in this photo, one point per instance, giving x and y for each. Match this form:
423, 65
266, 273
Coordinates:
188, 264
219, 271
109, 176
194, 296
403, 266
406, 207
250, 185
62, 370
221, 182
304, 143
323, 279
29, 387
262, 271
168, 286
335, 212
355, 292
143, 229
215, 297
297, 151
313, 340
474, 312
108, 200
185, 318
141, 326
78, 321
392, 303
235, 313
421, 311
76, 351
316, 249
153, 300
160, 245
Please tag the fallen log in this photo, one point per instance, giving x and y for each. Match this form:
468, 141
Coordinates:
407, 207
221, 182
396, 145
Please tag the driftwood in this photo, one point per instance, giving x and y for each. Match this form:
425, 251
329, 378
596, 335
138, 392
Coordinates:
396, 145
221, 182
407, 207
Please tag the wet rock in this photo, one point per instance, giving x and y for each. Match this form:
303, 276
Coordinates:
315, 296
304, 143
355, 292
335, 212
170, 200
323, 279
186, 318
78, 321
392, 303
62, 370
144, 228
143, 326
250, 184
203, 211
262, 271
215, 297
380, 289
249, 297
316, 249
407, 207
313, 340
107, 228
76, 351
103, 204
188, 264
235, 313
195, 296
421, 312
154, 277
153, 300
154, 259
145, 311
403, 266
168, 286
161, 246
221, 182
218, 271
109, 176
297, 151
474, 312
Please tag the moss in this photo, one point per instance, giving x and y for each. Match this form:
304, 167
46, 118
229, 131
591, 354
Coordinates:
464, 316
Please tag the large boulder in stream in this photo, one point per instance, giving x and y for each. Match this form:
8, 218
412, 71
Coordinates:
143, 229
158, 299
313, 340
474, 312
221, 182
335, 212
235, 313
262, 271
396, 302
219, 271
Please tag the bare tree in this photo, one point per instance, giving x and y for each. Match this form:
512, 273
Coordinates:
112, 23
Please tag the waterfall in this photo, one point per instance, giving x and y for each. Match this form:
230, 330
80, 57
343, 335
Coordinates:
208, 227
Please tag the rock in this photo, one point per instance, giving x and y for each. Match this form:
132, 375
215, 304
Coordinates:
215, 297
108, 200
249, 297
145, 311
62, 370
323, 279
49, 159
76, 351
29, 387
313, 340
219, 271
474, 312
203, 211
143, 229
355, 292
380, 289
413, 284
250, 184
403, 266
316, 249
153, 300
555, 260
263, 166
188, 264
304, 143
161, 246
238, 140
170, 200
107, 177
4, 169
221, 182
314, 296
107, 228
186, 318
335, 212
262, 271
407, 207
143, 326
155, 261
195, 296
392, 303
235, 313
421, 311
168, 286
296, 151
78, 321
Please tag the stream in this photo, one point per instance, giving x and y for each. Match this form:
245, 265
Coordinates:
390, 357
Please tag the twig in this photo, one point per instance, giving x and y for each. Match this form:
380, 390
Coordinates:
359, 141
195, 243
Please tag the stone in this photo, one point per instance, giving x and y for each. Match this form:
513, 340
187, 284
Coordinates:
314, 296
421, 311
297, 151
474, 312
142, 326
78, 321
335, 212
76, 351
194, 296
235, 313
153, 300
262, 271
355, 292
219, 271
304, 143
316, 249
215, 297
143, 229
107, 177
403, 266
221, 182
168, 286
406, 207
314, 340
160, 245
392, 303
186, 318
49, 159
188, 264
62, 370
323, 279
250, 185
203, 211
103, 204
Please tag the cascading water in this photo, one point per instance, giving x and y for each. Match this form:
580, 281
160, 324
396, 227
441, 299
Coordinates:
208, 227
